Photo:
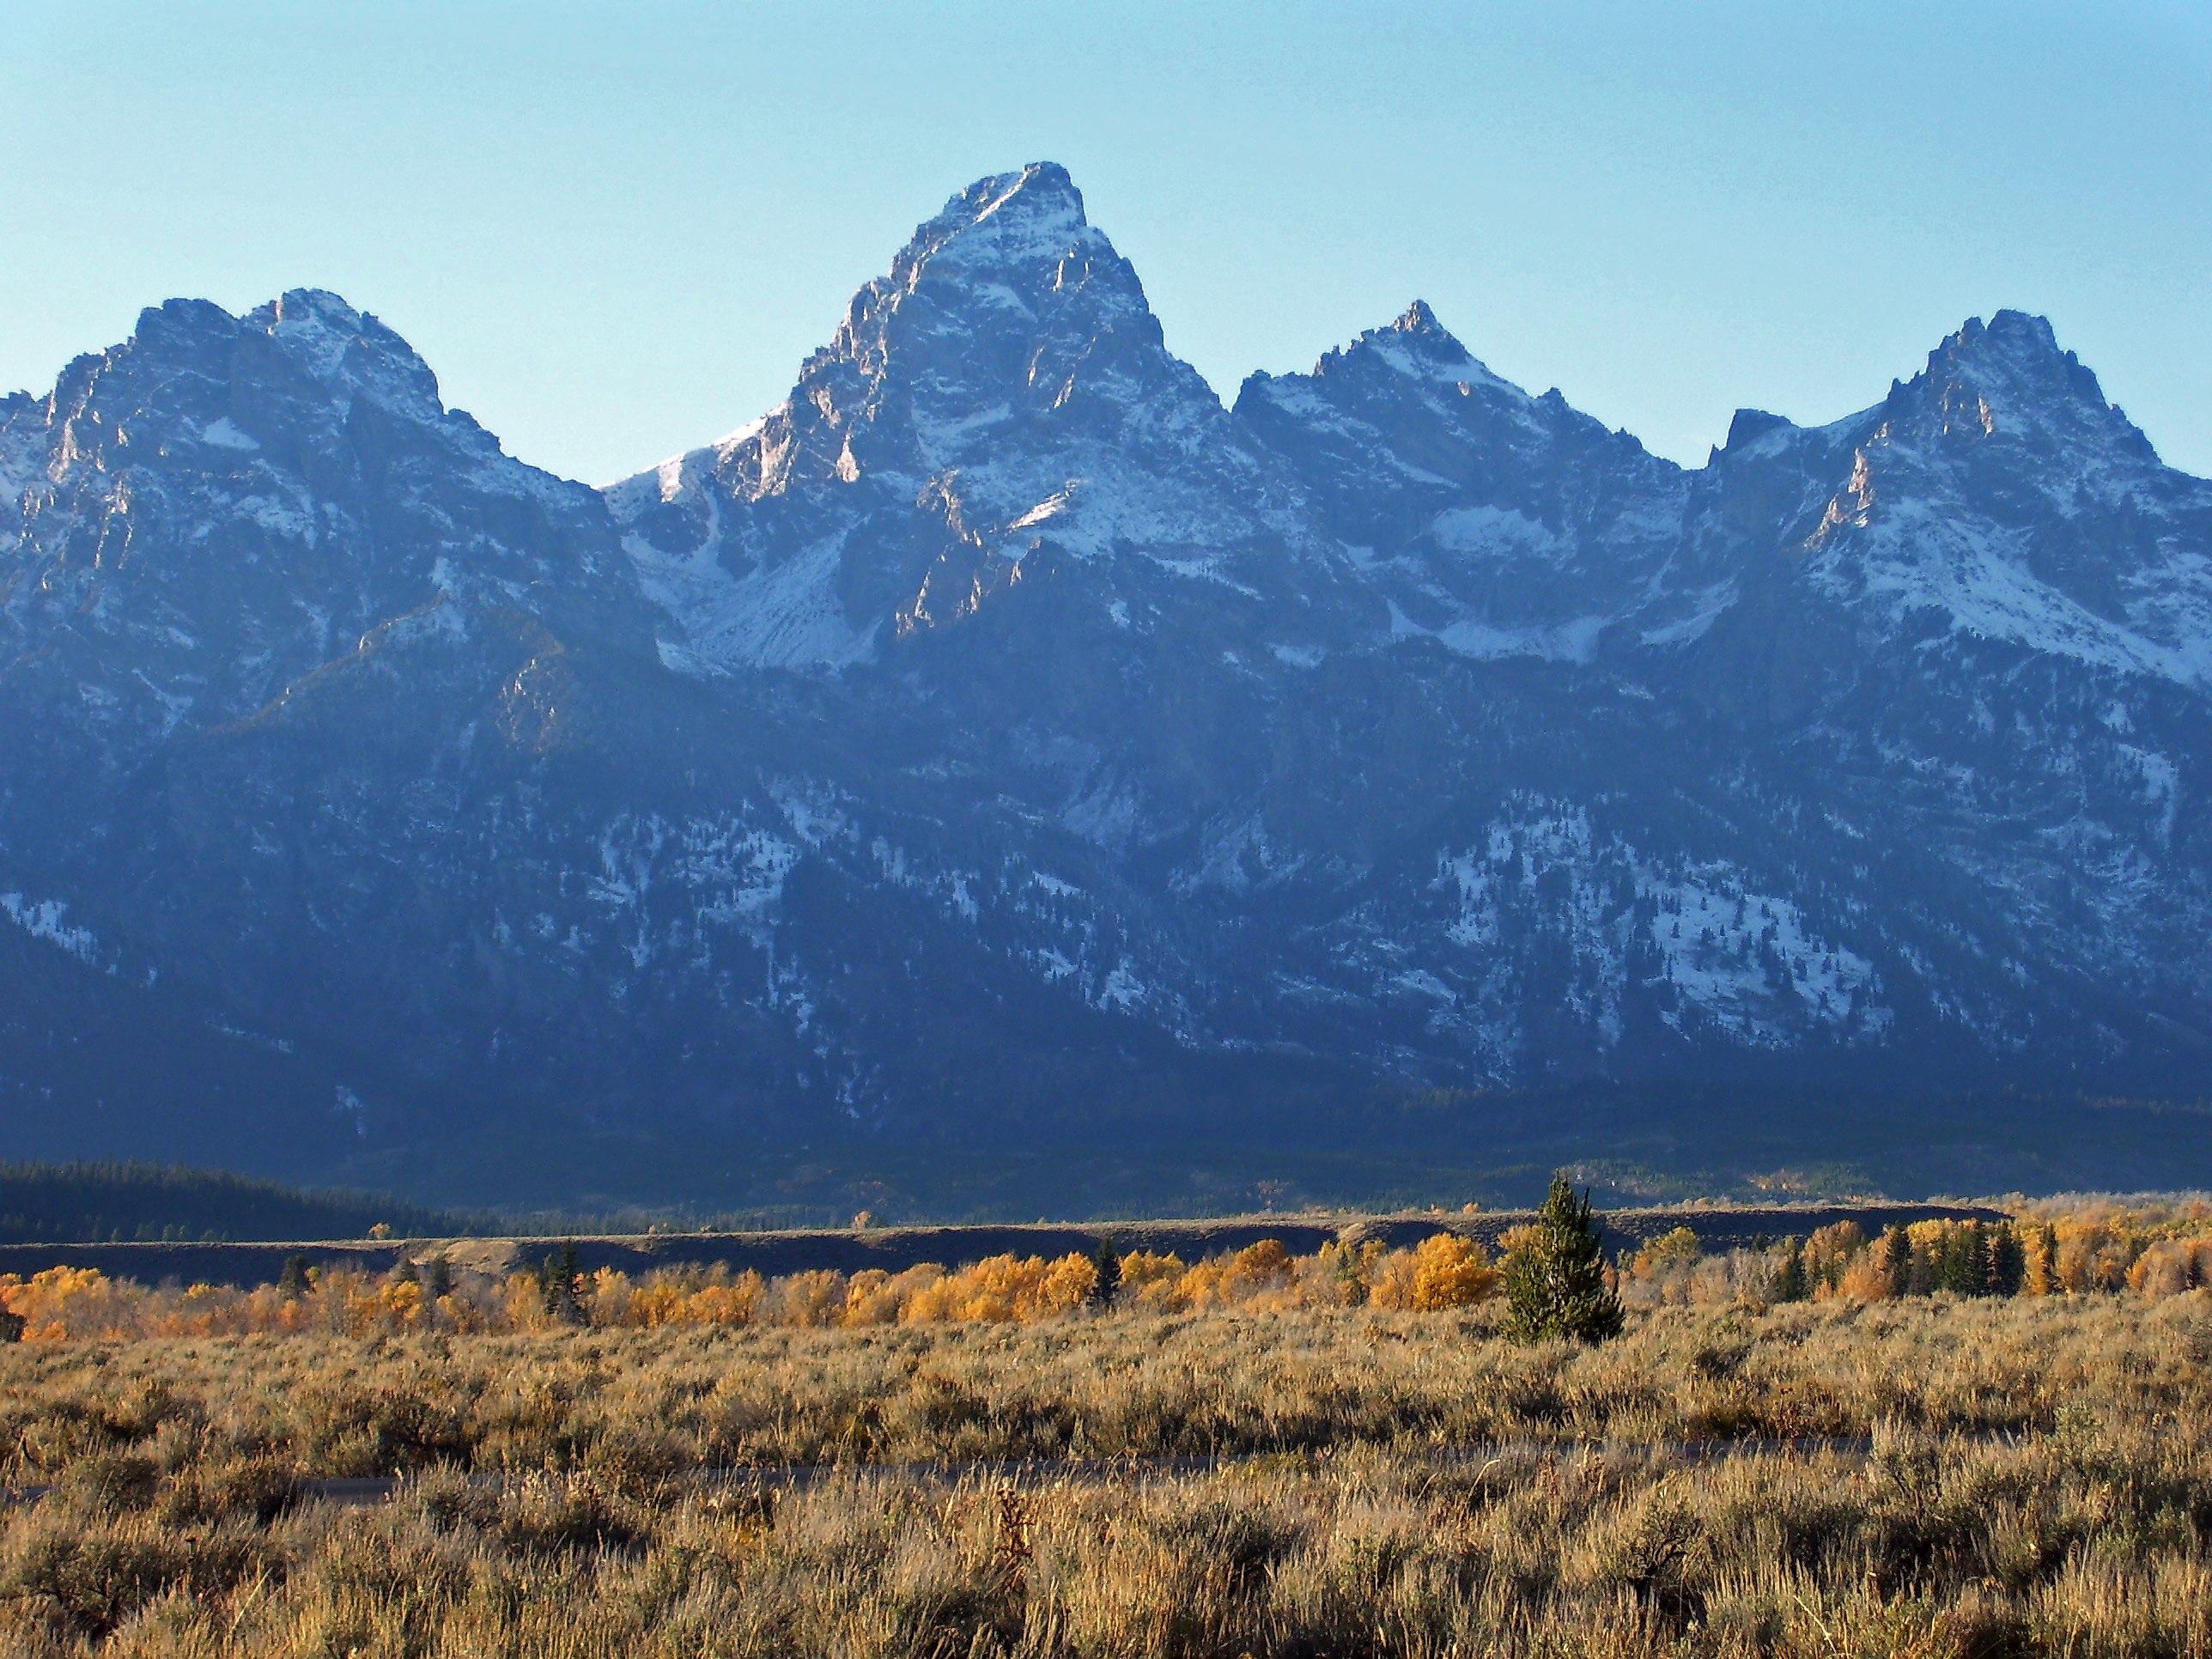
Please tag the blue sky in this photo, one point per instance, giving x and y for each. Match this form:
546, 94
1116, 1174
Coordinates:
615, 230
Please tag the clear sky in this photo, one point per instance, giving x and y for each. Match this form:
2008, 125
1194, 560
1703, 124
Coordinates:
614, 230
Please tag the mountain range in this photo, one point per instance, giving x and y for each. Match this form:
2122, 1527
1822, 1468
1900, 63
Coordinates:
1003, 742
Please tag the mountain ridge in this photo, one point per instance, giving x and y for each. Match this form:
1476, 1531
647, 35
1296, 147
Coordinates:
1003, 735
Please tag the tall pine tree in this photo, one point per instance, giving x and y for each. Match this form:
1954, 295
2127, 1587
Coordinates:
1107, 1266
1555, 1277
2007, 1262
1897, 1260
559, 1277
1789, 1284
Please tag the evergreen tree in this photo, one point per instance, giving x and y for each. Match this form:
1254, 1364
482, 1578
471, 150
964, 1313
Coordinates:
1927, 1267
1108, 1264
557, 1280
1789, 1284
1351, 1277
1980, 1269
1954, 1268
1555, 1279
12, 1326
2047, 1248
439, 1281
1828, 1273
2008, 1262
1897, 1260
294, 1281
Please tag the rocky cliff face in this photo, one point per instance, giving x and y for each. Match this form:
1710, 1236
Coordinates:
1002, 730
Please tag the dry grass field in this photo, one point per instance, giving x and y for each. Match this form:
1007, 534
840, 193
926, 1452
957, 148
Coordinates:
1390, 1482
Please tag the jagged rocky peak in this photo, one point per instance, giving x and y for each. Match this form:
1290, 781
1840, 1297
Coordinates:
2004, 416
2011, 379
1007, 310
221, 504
1417, 345
1003, 391
2001, 395
1410, 397
1500, 523
349, 351
1418, 319
198, 383
1996, 489
1750, 426
2013, 351
1014, 252
1008, 307
1973, 379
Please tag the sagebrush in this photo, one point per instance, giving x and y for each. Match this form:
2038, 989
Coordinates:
1395, 1483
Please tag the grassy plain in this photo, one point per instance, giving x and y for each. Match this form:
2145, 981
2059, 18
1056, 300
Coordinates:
2040, 1482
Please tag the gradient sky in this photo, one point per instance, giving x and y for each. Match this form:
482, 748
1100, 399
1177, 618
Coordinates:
614, 231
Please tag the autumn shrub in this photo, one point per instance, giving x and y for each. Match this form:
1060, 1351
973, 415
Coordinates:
1450, 1272
2100, 1247
70, 1303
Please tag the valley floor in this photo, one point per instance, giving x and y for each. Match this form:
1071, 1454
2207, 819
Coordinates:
2035, 1476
